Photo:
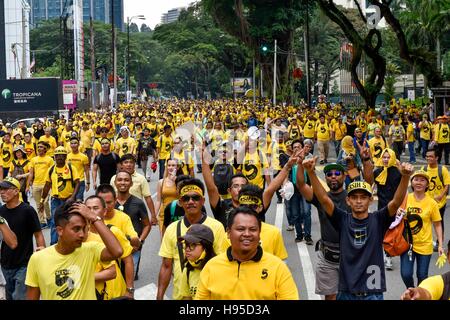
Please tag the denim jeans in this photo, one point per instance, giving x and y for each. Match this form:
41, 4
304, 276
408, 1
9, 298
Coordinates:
407, 268
15, 283
425, 144
54, 203
162, 167
412, 152
287, 205
337, 147
136, 260
305, 216
350, 296
80, 193
295, 209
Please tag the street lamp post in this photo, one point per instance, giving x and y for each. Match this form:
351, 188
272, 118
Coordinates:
404, 86
140, 17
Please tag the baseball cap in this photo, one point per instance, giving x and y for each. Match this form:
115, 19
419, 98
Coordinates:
421, 173
333, 166
359, 185
60, 150
10, 182
198, 232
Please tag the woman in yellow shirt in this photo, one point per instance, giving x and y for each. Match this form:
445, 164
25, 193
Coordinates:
422, 213
20, 169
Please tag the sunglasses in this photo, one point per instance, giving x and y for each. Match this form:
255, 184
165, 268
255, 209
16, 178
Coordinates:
190, 246
193, 197
335, 173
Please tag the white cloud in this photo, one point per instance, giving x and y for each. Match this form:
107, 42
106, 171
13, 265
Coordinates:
151, 9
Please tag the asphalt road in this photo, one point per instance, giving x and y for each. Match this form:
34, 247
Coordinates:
301, 260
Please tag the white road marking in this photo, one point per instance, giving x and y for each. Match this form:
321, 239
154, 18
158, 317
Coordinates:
308, 271
279, 216
147, 292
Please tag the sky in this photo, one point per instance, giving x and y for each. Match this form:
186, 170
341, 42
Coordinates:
151, 9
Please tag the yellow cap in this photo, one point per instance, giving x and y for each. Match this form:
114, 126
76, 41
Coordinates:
60, 150
421, 173
10, 182
359, 185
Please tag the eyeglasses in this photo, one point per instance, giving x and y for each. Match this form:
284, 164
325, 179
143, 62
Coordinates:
190, 246
335, 173
193, 197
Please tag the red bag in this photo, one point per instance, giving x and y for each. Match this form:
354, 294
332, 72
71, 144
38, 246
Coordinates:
399, 239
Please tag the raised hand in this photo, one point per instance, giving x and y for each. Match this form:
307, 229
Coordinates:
406, 169
310, 164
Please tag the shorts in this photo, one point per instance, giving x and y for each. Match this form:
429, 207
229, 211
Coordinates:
327, 276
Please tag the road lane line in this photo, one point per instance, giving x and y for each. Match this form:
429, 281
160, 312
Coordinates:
279, 216
308, 272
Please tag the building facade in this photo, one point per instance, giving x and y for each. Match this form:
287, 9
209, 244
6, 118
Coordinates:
14, 39
100, 10
171, 15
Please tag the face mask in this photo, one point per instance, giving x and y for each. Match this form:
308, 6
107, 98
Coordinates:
196, 264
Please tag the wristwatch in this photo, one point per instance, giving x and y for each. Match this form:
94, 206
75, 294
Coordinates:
2, 220
130, 290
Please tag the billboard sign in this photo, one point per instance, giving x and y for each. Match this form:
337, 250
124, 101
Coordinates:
40, 94
69, 94
241, 85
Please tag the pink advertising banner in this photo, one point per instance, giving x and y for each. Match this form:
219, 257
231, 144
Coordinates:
69, 94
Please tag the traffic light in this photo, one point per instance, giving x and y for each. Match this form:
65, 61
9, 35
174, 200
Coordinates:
264, 48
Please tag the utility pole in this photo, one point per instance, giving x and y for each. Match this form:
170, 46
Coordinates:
275, 74
261, 79
23, 74
128, 55
91, 29
114, 57
306, 39
253, 83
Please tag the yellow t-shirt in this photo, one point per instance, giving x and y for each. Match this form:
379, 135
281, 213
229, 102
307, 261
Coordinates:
86, 138
254, 168
410, 133
294, 132
182, 158
169, 248
376, 146
340, 130
29, 149
266, 279
309, 129
61, 178
434, 285
122, 221
164, 145
40, 167
441, 133
7, 154
65, 277
188, 287
78, 161
323, 131
362, 124
425, 130
435, 188
125, 146
115, 287
420, 215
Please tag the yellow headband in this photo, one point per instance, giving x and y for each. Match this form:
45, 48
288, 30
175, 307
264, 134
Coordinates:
191, 188
249, 200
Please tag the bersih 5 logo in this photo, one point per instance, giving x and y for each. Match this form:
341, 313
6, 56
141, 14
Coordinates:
6, 94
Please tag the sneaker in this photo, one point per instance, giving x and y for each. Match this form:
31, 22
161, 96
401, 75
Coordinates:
290, 228
299, 239
44, 226
388, 263
309, 241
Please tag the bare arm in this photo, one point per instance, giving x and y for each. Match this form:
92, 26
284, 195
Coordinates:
211, 187
33, 293
106, 274
9, 236
416, 294
367, 164
145, 230
129, 273
94, 175
87, 176
319, 191
438, 228
30, 178
40, 240
164, 277
158, 196
151, 207
306, 190
393, 205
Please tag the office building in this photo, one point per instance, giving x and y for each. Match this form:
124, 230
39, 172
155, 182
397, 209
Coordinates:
171, 15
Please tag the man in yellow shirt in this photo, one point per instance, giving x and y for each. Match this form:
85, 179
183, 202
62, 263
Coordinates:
323, 136
63, 180
247, 272
39, 166
377, 144
425, 127
125, 144
47, 137
441, 136
7, 153
87, 139
411, 140
66, 271
164, 146
338, 132
81, 162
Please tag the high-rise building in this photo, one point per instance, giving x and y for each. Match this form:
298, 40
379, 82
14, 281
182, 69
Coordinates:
100, 10
14, 39
171, 15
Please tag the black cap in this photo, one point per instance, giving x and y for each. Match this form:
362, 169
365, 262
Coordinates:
198, 232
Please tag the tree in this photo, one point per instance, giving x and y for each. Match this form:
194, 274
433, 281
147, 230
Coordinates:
134, 27
145, 28
389, 90
335, 89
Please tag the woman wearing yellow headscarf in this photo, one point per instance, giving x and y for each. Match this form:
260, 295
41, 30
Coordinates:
350, 159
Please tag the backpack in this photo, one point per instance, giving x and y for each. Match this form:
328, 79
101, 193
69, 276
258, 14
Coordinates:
222, 177
440, 175
19, 169
70, 170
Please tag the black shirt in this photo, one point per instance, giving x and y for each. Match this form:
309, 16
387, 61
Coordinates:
327, 231
107, 165
24, 222
361, 264
136, 209
222, 210
386, 193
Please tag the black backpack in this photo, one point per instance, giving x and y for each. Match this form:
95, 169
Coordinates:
223, 172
